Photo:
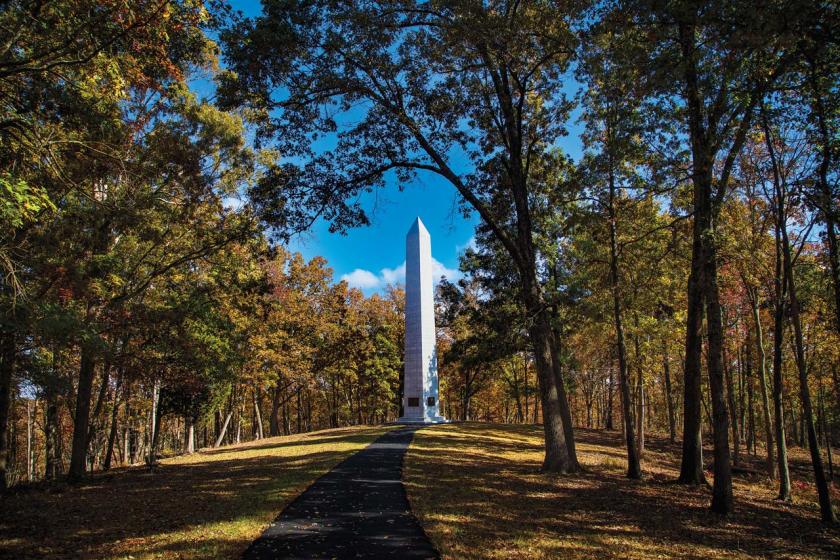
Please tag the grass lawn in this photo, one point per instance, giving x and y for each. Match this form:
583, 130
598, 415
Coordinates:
479, 493
208, 505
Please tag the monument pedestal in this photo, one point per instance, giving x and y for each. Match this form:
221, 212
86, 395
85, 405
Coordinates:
432, 420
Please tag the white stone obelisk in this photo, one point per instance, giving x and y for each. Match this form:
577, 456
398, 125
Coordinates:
420, 388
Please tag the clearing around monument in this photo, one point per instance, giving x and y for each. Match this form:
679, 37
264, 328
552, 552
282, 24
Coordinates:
420, 390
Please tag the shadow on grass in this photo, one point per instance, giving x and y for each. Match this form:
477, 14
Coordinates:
341, 434
209, 506
480, 494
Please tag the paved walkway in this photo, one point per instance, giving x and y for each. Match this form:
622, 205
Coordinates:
357, 510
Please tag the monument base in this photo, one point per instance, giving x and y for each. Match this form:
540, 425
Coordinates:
431, 420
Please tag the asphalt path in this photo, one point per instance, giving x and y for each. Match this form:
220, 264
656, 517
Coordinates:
357, 510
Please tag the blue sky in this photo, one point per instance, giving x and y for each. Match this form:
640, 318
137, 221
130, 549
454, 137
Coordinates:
371, 257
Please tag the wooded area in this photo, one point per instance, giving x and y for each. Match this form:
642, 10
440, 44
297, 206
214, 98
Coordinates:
682, 276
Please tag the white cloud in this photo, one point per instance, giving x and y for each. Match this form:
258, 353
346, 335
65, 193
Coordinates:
362, 279
367, 280
393, 275
438, 270
470, 244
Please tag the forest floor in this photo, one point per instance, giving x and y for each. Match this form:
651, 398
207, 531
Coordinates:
211, 504
479, 493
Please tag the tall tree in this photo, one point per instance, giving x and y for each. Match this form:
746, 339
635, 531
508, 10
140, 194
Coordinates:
726, 57
414, 74
784, 163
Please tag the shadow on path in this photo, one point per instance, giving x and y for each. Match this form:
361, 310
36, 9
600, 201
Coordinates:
357, 510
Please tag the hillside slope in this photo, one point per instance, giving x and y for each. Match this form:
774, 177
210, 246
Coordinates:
208, 505
478, 491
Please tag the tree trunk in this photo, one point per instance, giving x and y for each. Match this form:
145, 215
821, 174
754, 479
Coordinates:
762, 379
100, 401
691, 465
669, 395
286, 425
308, 410
154, 426
823, 491
634, 469
778, 342
827, 197
274, 419
465, 401
745, 355
189, 434
51, 436
78, 454
223, 430
525, 362
8, 353
257, 413
565, 410
30, 470
112, 433
722, 501
826, 432
557, 457
733, 410
640, 397
608, 421
298, 410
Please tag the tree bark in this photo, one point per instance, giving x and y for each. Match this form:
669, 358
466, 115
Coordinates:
100, 400
608, 421
274, 419
112, 433
525, 363
826, 196
78, 454
189, 434
51, 436
8, 353
286, 424
640, 395
298, 412
634, 469
30, 474
565, 410
780, 287
722, 501
691, 465
557, 457
823, 492
632, 443
223, 430
258, 414
762, 379
669, 395
154, 431
733, 410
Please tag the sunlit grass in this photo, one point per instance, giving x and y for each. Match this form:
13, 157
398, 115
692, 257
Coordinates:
479, 493
207, 505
